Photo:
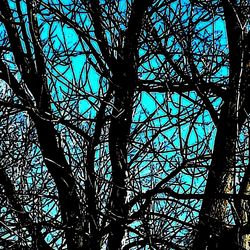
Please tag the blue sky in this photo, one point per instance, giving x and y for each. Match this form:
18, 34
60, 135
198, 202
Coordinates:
75, 80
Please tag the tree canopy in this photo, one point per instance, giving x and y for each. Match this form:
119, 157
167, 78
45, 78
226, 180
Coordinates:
124, 124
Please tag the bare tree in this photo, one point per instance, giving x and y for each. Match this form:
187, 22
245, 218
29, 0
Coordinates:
124, 124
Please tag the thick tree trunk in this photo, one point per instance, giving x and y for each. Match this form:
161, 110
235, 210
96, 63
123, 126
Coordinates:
124, 84
220, 180
118, 139
91, 221
61, 173
212, 232
244, 205
244, 209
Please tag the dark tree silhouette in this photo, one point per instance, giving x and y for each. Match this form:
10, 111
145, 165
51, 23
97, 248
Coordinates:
124, 124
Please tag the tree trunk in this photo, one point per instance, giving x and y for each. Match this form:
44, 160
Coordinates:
124, 83
212, 232
61, 173
220, 180
118, 139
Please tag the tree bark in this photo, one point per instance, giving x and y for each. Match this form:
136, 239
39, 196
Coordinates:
212, 231
125, 80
